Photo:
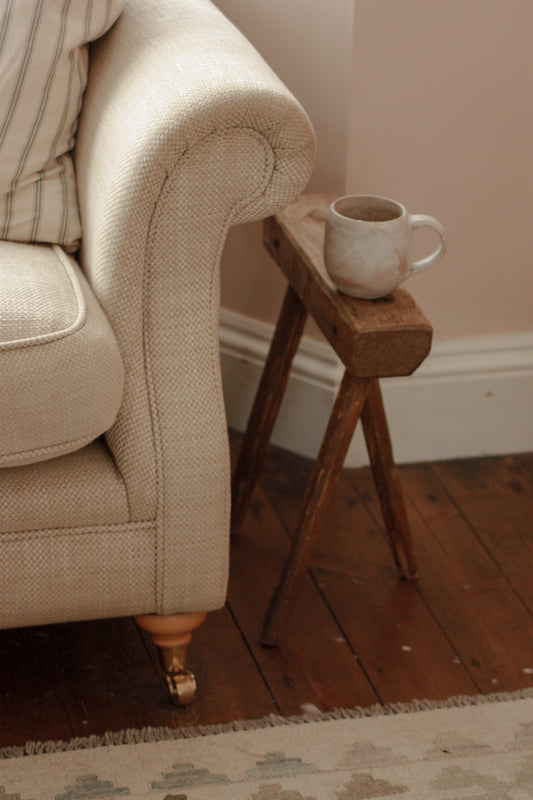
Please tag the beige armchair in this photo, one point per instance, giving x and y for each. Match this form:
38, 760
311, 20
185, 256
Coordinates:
117, 501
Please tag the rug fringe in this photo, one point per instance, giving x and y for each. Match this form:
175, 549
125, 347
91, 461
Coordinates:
150, 734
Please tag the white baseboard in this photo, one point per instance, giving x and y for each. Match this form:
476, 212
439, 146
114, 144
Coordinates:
469, 398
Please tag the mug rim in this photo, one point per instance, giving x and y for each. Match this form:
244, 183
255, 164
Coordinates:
398, 206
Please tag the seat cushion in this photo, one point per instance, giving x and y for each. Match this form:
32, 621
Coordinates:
61, 371
43, 73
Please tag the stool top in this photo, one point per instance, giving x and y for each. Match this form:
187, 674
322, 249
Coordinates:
373, 338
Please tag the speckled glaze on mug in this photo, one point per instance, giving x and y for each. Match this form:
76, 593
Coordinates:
367, 243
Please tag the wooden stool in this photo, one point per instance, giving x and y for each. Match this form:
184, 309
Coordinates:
374, 339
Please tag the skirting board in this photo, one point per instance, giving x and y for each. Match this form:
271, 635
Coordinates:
471, 397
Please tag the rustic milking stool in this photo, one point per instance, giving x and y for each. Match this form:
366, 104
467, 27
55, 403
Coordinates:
374, 339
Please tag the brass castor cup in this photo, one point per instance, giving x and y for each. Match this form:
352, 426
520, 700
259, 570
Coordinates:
172, 635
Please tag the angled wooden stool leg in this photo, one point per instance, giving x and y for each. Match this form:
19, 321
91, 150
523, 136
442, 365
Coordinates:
267, 402
388, 482
346, 411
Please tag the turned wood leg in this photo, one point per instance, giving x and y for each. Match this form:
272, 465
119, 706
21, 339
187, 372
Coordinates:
346, 411
266, 404
172, 635
388, 482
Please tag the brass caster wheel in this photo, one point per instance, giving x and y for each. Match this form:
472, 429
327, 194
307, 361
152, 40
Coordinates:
171, 635
182, 687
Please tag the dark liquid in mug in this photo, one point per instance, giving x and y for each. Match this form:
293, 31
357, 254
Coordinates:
368, 209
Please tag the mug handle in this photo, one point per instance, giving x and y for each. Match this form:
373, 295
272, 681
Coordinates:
419, 221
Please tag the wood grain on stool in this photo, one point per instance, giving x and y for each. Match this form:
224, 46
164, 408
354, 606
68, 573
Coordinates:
268, 400
346, 411
373, 338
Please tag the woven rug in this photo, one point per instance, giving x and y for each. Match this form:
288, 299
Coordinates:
479, 749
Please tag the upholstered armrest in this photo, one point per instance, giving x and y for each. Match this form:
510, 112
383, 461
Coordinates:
170, 74
185, 131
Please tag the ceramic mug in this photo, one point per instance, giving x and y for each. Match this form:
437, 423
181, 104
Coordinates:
367, 243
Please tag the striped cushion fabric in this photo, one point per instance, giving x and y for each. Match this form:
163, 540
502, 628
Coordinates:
43, 73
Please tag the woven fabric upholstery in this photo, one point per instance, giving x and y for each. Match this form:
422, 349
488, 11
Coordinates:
62, 374
43, 72
87, 575
221, 141
210, 82
86, 560
73, 491
185, 130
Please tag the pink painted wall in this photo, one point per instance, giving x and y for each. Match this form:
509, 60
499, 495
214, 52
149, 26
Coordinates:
435, 108
441, 117
309, 44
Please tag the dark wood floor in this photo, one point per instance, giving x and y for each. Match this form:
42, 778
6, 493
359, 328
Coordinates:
359, 635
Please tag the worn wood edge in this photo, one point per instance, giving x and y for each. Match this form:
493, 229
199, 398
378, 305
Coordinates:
269, 395
346, 411
355, 344
285, 221
149, 734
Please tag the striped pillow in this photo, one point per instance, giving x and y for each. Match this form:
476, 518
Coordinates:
43, 73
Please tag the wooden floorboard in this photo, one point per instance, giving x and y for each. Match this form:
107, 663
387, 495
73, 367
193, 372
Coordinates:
495, 500
465, 589
316, 667
359, 635
396, 638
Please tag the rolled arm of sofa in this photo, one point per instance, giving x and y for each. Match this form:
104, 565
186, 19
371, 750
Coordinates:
185, 130
170, 74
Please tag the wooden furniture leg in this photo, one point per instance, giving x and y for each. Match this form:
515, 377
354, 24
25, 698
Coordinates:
346, 411
266, 405
387, 481
172, 635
